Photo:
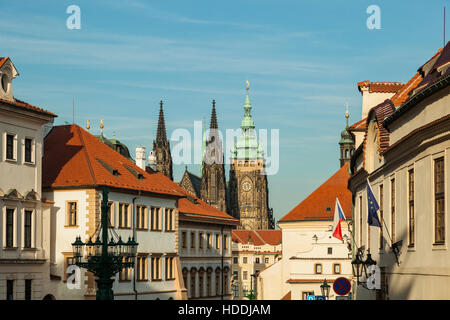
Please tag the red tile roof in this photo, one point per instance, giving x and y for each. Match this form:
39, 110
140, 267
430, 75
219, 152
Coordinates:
314, 207
360, 125
75, 158
258, 237
403, 94
391, 87
27, 106
71, 159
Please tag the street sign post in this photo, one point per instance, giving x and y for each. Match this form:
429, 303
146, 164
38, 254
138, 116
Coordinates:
342, 286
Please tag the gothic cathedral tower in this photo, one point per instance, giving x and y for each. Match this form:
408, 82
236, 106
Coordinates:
213, 186
161, 147
248, 190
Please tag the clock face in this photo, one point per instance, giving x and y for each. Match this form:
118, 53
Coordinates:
246, 186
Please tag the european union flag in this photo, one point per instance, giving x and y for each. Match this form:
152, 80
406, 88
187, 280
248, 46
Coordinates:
373, 207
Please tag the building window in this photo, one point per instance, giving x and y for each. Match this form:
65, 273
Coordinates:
330, 250
169, 213
381, 216
156, 219
10, 146
393, 210
156, 268
124, 216
217, 241
439, 203
318, 268
213, 192
200, 240
208, 241
244, 260
244, 275
111, 213
183, 240
28, 150
9, 289
125, 273
9, 228
305, 294
169, 268
141, 217
28, 289
336, 268
27, 228
72, 213
235, 291
141, 268
235, 276
257, 260
217, 283
208, 284
411, 207
192, 239
225, 242
225, 283
266, 260
235, 260
200, 284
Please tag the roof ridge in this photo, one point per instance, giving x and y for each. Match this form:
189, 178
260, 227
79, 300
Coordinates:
261, 238
89, 165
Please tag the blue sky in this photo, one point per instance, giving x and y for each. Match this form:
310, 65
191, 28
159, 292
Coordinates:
303, 59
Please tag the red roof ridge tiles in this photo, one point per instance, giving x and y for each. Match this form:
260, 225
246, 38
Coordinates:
258, 237
381, 86
314, 206
403, 94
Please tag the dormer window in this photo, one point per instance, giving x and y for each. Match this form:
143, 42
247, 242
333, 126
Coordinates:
7, 73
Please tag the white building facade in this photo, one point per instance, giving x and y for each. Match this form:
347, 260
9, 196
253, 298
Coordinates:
25, 215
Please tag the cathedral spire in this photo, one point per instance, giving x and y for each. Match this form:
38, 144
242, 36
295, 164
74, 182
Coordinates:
161, 133
213, 124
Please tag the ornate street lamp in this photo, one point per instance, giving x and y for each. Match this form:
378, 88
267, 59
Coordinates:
357, 267
369, 262
325, 288
104, 259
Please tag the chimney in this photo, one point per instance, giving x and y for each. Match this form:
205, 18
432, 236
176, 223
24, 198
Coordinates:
140, 157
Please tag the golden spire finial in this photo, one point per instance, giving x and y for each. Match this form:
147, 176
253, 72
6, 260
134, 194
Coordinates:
101, 126
346, 114
248, 85
114, 134
88, 124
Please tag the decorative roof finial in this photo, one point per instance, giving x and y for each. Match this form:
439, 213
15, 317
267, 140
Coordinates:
248, 85
114, 134
101, 127
346, 114
88, 125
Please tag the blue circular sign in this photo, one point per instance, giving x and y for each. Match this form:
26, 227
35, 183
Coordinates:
342, 286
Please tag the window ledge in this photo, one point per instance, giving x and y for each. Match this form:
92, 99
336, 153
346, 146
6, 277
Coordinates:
10, 248
71, 227
29, 163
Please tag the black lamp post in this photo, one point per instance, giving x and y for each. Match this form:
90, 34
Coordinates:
104, 259
325, 288
357, 267
369, 262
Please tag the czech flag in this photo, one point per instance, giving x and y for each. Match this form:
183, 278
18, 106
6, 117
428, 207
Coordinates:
338, 217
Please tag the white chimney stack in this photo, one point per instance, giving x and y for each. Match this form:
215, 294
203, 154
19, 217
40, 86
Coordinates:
140, 157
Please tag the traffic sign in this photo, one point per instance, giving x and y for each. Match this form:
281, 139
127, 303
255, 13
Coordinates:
342, 286
321, 298
310, 298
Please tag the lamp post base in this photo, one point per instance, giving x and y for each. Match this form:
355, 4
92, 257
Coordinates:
104, 289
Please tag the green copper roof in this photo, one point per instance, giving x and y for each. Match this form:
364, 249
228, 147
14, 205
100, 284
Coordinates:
247, 147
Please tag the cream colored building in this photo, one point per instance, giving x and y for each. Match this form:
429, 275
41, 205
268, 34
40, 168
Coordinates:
77, 165
310, 253
25, 215
253, 252
405, 157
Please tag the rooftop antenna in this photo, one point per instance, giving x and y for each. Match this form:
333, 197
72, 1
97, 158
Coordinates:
73, 110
